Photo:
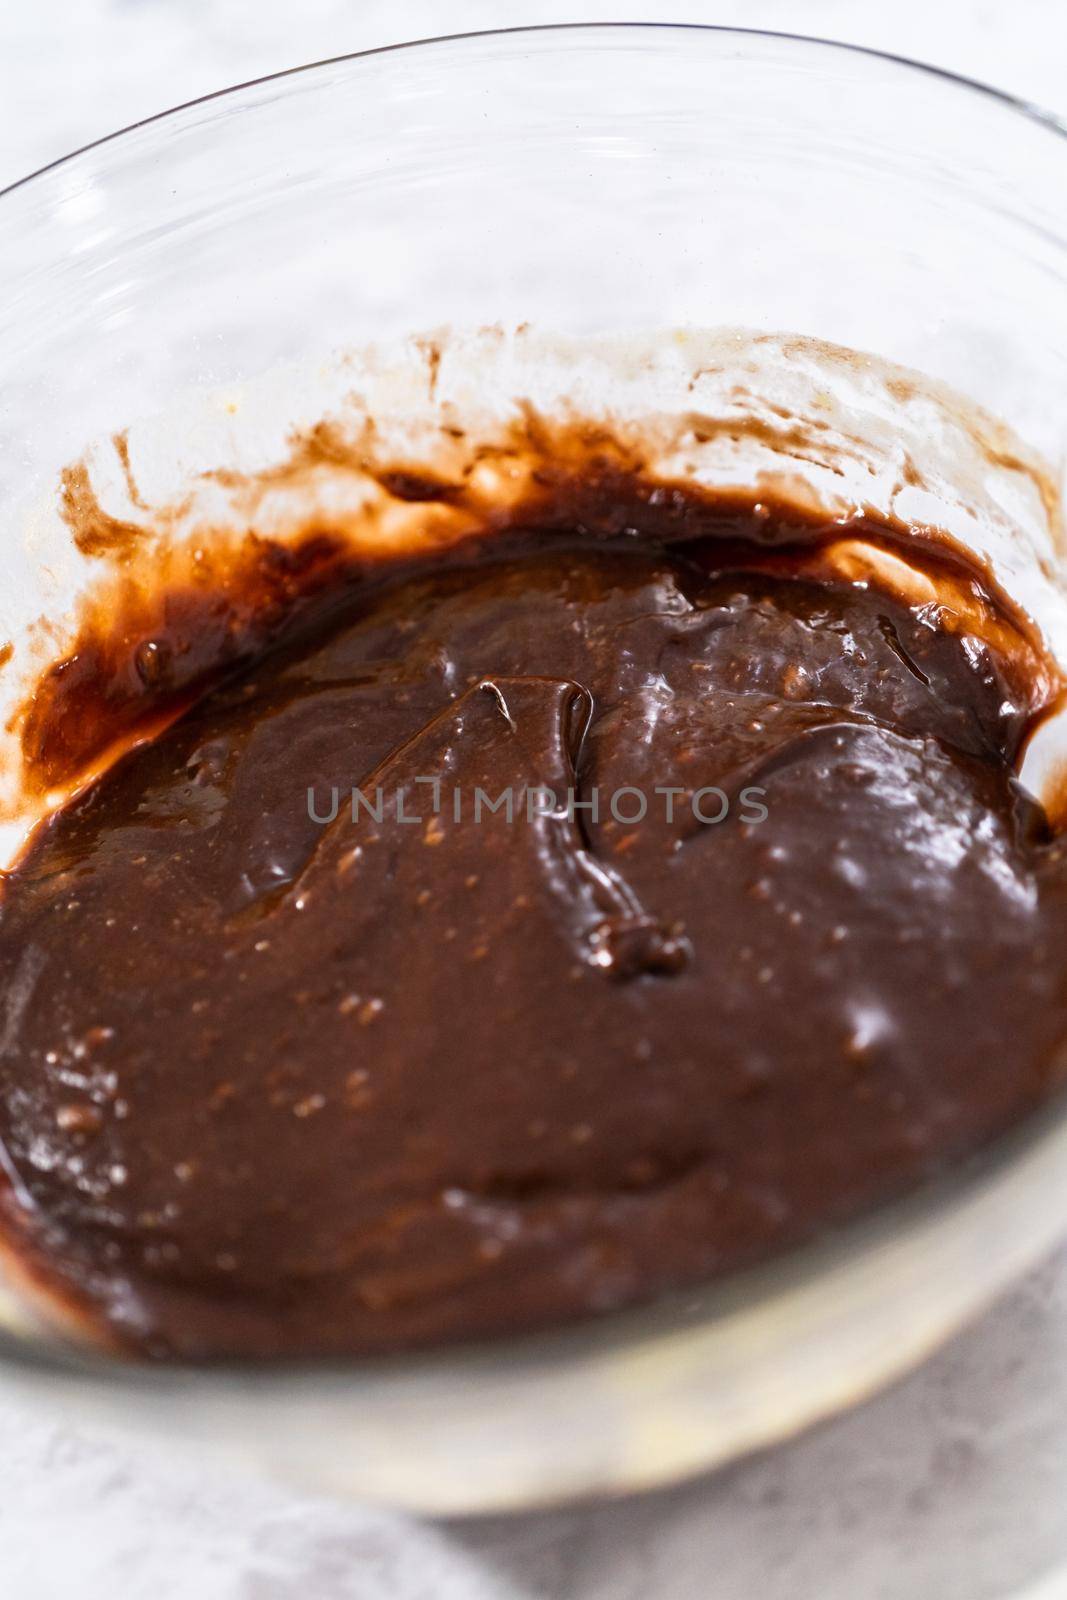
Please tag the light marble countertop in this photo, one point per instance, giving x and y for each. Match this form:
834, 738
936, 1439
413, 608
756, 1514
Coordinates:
952, 1486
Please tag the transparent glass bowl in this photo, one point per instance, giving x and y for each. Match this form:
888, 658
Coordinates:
608, 179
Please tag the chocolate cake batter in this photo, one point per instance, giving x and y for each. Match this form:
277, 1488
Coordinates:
276, 1084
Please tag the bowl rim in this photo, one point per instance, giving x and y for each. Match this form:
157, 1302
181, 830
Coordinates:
1031, 110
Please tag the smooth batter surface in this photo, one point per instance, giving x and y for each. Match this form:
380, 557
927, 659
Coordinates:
272, 1085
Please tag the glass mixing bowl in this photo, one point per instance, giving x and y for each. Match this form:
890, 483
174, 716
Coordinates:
587, 180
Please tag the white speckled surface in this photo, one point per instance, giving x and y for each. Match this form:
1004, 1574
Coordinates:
951, 1487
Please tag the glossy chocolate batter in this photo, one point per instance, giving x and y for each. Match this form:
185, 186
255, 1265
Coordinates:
273, 1084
